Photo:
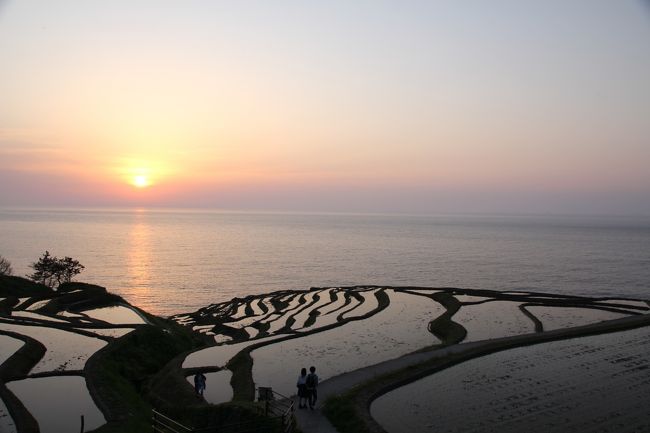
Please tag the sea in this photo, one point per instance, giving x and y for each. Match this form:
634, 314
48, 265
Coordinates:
169, 261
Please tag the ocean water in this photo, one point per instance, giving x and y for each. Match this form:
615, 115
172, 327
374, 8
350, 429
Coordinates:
171, 261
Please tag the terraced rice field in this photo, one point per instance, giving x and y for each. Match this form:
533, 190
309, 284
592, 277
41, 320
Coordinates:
342, 329
53, 388
264, 340
588, 384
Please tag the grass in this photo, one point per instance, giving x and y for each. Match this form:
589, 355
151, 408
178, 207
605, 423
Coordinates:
123, 373
231, 417
343, 415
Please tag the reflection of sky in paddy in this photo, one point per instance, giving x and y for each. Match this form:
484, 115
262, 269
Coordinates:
8, 346
7, 424
588, 384
303, 313
220, 355
369, 303
58, 402
566, 317
493, 319
65, 350
118, 315
399, 329
32, 315
112, 332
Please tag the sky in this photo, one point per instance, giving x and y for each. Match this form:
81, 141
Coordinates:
342, 106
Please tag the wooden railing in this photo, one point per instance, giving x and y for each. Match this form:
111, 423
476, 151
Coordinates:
278, 406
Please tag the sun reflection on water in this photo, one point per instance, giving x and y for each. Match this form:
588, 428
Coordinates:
139, 258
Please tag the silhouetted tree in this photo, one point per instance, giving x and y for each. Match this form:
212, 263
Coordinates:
5, 266
53, 271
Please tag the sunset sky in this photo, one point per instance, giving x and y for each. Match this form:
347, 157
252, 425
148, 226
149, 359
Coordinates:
359, 106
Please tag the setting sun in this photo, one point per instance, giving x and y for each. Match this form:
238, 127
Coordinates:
141, 181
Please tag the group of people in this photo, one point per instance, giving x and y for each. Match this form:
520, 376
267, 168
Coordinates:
307, 388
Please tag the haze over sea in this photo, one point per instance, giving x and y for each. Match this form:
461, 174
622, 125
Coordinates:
171, 261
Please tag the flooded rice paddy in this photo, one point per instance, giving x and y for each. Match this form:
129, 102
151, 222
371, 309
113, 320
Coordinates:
567, 317
43, 398
65, 350
493, 319
118, 315
589, 384
399, 329
6, 421
8, 346
378, 332
52, 388
219, 356
335, 329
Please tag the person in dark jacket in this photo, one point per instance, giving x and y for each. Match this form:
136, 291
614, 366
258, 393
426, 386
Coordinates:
199, 384
312, 387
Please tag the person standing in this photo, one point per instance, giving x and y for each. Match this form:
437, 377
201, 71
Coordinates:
312, 387
199, 384
302, 389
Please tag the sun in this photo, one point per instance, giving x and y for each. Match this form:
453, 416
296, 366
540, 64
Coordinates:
140, 181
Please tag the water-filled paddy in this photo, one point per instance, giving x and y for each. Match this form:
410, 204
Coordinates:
8, 346
566, 317
65, 350
32, 315
21, 302
69, 314
118, 315
38, 304
588, 384
220, 355
58, 402
109, 332
301, 316
369, 303
399, 329
6, 422
328, 313
493, 319
470, 298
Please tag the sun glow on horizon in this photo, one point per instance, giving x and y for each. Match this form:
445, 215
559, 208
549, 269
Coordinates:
141, 181
142, 173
